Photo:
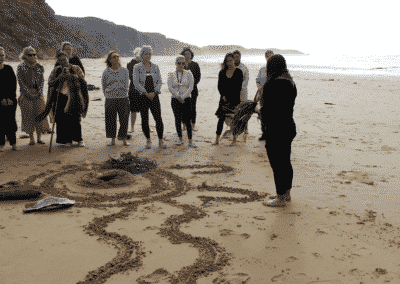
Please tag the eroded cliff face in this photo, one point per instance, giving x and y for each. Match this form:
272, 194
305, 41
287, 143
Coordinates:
34, 23
25, 23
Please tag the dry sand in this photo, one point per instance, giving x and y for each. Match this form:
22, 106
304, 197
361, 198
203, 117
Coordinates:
342, 225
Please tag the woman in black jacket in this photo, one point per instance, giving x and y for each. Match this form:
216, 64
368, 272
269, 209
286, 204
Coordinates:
229, 86
195, 69
8, 103
277, 100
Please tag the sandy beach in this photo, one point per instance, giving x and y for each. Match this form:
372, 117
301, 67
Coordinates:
198, 216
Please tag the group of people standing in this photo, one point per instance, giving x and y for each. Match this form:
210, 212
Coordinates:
136, 89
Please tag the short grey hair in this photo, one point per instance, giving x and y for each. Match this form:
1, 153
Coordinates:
179, 57
25, 51
136, 52
145, 48
63, 44
269, 51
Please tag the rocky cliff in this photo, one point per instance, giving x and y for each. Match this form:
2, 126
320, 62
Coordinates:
33, 22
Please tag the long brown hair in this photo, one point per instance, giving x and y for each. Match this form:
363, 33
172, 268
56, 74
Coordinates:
229, 54
108, 59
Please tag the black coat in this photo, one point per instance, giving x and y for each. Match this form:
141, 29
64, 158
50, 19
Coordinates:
230, 89
278, 99
8, 83
75, 106
195, 69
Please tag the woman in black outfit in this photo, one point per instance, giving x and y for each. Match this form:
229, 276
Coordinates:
8, 103
195, 69
72, 58
229, 86
134, 95
277, 100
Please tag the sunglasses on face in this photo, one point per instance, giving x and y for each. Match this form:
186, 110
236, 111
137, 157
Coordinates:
180, 63
31, 55
115, 56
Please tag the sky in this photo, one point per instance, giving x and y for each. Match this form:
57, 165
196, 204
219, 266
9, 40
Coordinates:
314, 27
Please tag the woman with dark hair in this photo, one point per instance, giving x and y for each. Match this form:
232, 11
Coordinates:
30, 76
134, 95
147, 79
229, 86
68, 99
277, 100
72, 58
195, 69
115, 83
8, 103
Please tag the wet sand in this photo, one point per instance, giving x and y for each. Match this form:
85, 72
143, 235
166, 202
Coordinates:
197, 217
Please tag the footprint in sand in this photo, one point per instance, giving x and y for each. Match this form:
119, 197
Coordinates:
237, 278
291, 259
227, 232
159, 276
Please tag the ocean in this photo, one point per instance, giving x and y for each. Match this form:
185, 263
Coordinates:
384, 65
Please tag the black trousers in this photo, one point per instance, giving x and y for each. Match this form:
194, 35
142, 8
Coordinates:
155, 108
112, 108
182, 112
12, 138
193, 103
279, 151
9, 124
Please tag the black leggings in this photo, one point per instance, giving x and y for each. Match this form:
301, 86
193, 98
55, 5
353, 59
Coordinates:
278, 151
155, 108
182, 114
220, 125
193, 102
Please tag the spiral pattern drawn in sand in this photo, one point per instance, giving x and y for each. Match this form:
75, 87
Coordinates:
89, 186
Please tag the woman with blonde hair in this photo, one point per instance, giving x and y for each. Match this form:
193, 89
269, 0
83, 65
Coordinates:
115, 83
31, 81
147, 79
180, 84
8, 103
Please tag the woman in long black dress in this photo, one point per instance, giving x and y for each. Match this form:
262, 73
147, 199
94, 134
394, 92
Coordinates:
69, 101
134, 95
229, 86
195, 69
277, 100
8, 103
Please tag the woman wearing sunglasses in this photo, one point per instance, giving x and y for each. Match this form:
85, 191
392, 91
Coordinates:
115, 83
31, 101
147, 79
180, 84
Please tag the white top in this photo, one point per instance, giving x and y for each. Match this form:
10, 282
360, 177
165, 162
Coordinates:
243, 92
180, 84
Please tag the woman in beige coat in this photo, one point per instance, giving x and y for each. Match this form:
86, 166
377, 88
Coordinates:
30, 79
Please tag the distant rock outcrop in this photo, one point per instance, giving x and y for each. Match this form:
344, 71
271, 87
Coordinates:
33, 22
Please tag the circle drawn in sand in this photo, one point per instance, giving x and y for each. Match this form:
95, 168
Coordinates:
129, 191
